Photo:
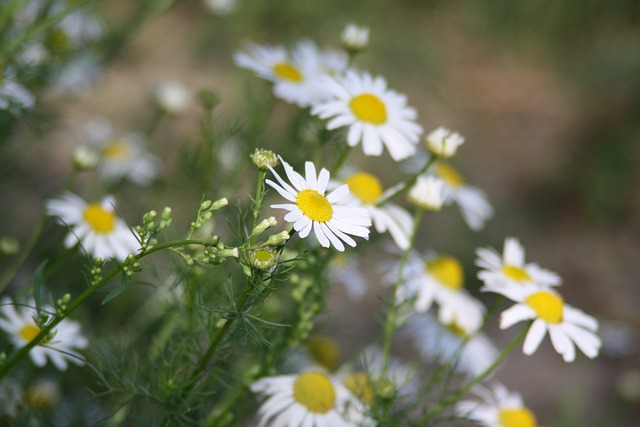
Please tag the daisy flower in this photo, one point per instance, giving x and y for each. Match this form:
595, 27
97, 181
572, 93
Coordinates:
427, 193
375, 114
332, 222
295, 76
21, 328
499, 408
443, 142
510, 268
354, 38
310, 399
95, 226
568, 327
121, 156
470, 352
366, 191
440, 279
472, 201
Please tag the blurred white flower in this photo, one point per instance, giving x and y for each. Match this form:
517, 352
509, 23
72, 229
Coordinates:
444, 142
221, 7
428, 193
22, 329
13, 96
355, 38
499, 408
171, 97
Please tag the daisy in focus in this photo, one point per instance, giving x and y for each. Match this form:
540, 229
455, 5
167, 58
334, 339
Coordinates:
332, 222
469, 352
296, 76
376, 115
95, 226
59, 347
366, 191
310, 399
568, 327
510, 268
472, 201
499, 408
440, 279
121, 156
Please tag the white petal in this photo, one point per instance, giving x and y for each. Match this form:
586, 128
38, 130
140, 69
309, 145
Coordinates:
534, 337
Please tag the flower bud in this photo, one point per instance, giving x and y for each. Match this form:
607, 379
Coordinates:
427, 193
354, 38
84, 158
171, 97
262, 159
278, 239
443, 142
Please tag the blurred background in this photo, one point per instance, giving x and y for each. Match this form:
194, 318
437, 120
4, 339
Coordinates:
546, 92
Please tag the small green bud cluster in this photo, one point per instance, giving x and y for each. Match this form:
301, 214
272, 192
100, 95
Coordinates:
205, 213
150, 229
41, 319
61, 304
263, 159
96, 270
131, 265
217, 252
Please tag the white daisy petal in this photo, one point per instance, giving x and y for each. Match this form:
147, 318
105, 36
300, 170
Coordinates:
534, 337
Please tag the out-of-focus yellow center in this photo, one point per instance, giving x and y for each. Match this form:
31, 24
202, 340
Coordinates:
365, 187
315, 392
457, 329
369, 108
116, 149
516, 273
447, 270
521, 417
325, 352
449, 174
359, 384
29, 332
314, 205
287, 71
100, 220
548, 306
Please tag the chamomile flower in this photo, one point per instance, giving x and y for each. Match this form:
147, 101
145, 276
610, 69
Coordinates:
469, 352
295, 76
309, 399
472, 201
444, 142
171, 97
440, 279
122, 156
354, 38
95, 226
366, 191
510, 268
499, 408
376, 115
59, 347
332, 222
427, 193
568, 327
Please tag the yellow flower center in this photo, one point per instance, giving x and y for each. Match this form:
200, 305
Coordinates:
521, 417
287, 71
360, 385
365, 187
516, 273
314, 205
325, 352
315, 392
100, 220
548, 306
369, 108
449, 174
263, 255
116, 149
447, 270
457, 329
29, 332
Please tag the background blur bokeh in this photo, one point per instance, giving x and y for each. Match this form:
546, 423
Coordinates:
546, 92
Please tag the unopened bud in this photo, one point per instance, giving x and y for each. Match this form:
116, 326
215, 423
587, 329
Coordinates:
262, 159
278, 239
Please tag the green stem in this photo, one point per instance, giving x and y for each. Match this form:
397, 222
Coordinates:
22, 352
391, 320
343, 157
441, 406
257, 203
408, 183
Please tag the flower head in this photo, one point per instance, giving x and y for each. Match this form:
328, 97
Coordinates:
376, 116
472, 201
331, 221
95, 226
307, 399
443, 142
440, 279
510, 268
171, 97
354, 38
59, 347
428, 193
499, 408
568, 327
365, 191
